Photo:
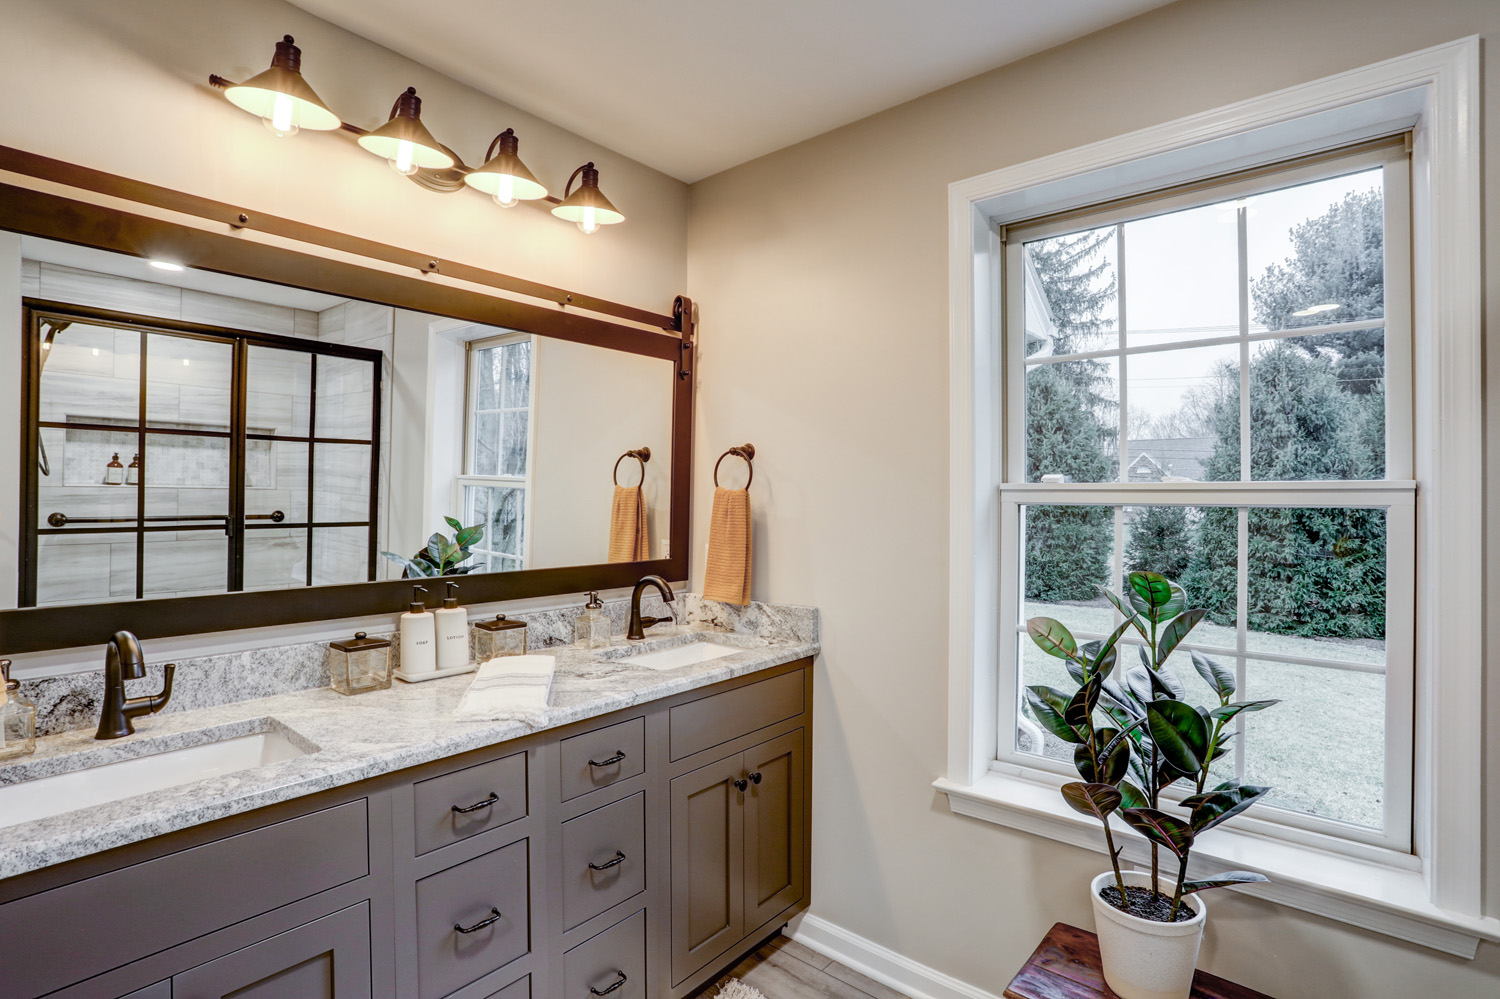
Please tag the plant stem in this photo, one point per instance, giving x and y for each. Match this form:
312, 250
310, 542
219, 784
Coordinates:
1177, 895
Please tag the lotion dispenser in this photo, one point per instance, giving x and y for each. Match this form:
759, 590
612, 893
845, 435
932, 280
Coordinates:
418, 636
452, 632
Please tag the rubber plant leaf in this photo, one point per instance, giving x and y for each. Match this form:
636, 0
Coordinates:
1080, 710
1047, 707
1154, 589
1228, 711
1125, 609
1052, 637
1161, 828
469, 536
1214, 807
1132, 796
1178, 732
1108, 650
1176, 630
435, 547
1223, 881
1075, 671
456, 525
1215, 674
1174, 605
1113, 761
1098, 800
1165, 682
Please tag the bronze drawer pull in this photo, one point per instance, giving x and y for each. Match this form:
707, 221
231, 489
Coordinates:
619, 859
619, 755
493, 918
618, 982
486, 803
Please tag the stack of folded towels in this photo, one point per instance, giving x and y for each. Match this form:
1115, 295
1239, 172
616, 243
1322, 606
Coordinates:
510, 688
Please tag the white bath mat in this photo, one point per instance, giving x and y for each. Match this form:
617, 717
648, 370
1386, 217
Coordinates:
737, 989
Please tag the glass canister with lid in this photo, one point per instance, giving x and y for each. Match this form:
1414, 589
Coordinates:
360, 664
17, 717
499, 637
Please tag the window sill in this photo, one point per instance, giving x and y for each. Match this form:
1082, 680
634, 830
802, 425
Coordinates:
1377, 897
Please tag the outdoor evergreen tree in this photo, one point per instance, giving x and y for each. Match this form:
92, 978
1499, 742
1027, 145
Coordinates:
1160, 541
1070, 420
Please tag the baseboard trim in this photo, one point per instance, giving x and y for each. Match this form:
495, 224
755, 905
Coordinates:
880, 963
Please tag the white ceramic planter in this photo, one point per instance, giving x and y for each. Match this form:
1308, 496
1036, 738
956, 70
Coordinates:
1144, 959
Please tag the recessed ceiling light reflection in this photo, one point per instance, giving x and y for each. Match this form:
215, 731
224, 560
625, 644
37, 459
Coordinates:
166, 265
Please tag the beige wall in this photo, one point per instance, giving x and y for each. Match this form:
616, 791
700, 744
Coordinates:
821, 272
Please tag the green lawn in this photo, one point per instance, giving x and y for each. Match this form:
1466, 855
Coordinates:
1322, 749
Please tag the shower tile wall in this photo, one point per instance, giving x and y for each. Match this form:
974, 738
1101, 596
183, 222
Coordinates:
102, 566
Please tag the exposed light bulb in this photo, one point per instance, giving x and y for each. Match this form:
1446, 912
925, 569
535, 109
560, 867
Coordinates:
404, 160
96, 351
279, 121
588, 223
505, 193
46, 344
185, 362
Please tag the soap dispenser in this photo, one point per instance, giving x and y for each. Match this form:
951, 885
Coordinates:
452, 623
17, 717
592, 628
418, 636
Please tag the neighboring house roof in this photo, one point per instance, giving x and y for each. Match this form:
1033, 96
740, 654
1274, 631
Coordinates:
1184, 457
1040, 327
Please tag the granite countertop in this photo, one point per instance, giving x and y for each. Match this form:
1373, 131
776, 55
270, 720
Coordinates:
348, 739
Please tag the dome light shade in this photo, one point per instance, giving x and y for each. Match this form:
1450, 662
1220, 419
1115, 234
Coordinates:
281, 97
587, 206
404, 141
504, 177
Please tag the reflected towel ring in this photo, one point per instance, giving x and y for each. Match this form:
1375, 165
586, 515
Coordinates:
746, 451
642, 455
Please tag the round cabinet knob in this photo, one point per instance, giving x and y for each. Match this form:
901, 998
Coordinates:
741, 784
755, 778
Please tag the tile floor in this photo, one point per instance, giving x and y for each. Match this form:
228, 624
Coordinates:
785, 969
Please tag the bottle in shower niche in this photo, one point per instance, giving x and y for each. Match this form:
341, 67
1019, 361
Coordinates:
452, 623
133, 471
418, 636
591, 630
114, 472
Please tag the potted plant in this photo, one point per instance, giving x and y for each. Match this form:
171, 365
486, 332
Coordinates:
442, 556
1134, 737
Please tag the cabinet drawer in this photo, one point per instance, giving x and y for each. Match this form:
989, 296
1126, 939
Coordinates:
718, 718
328, 958
515, 990
466, 802
613, 840
197, 891
616, 956
600, 758
464, 896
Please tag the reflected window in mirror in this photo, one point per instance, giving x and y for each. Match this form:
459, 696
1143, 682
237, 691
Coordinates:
495, 488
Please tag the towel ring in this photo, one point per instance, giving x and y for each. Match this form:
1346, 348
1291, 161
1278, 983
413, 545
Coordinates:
746, 451
640, 454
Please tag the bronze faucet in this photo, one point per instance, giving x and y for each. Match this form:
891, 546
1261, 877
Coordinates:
638, 624
123, 661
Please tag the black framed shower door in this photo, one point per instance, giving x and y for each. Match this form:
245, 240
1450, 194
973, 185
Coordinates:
225, 444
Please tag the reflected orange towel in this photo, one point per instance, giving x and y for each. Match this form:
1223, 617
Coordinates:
627, 526
728, 575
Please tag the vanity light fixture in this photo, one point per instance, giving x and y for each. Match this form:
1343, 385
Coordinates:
587, 206
281, 97
504, 177
404, 141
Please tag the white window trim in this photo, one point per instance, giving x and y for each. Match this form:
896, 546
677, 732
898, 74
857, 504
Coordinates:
1435, 92
523, 482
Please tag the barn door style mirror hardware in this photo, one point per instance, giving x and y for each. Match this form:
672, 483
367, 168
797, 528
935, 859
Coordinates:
287, 104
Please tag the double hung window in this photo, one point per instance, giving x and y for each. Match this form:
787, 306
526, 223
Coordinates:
496, 483
1214, 383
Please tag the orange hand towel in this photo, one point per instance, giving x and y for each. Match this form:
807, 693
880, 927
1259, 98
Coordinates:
728, 576
627, 526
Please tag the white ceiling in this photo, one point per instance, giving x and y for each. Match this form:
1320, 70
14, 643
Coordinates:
692, 87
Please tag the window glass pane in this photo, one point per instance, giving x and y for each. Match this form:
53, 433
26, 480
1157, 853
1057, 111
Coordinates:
514, 444
346, 397
518, 374
1069, 551
1317, 407
1317, 580
1182, 276
1070, 299
502, 510
1196, 548
276, 481
488, 374
90, 374
340, 555
275, 558
1316, 252
279, 390
186, 563
185, 476
1184, 414
84, 567
1322, 749
188, 382
341, 483
487, 443
1072, 421
77, 465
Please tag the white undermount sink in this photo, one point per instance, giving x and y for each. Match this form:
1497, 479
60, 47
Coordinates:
682, 655
46, 796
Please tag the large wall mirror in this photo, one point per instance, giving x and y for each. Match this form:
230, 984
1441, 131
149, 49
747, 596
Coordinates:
202, 448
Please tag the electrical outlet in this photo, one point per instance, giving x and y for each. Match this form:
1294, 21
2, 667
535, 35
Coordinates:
666, 548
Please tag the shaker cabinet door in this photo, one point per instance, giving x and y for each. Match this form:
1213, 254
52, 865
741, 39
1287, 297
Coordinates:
774, 824
707, 842
328, 958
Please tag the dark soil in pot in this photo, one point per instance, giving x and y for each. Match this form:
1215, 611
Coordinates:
1147, 904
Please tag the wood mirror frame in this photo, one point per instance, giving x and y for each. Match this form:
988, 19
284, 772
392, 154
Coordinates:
30, 212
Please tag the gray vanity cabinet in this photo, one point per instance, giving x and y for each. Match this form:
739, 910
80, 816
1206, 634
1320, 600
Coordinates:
738, 848
328, 958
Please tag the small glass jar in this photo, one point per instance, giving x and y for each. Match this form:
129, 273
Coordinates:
359, 665
17, 717
500, 637
592, 630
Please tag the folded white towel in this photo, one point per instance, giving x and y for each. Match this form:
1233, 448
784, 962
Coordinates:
510, 688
